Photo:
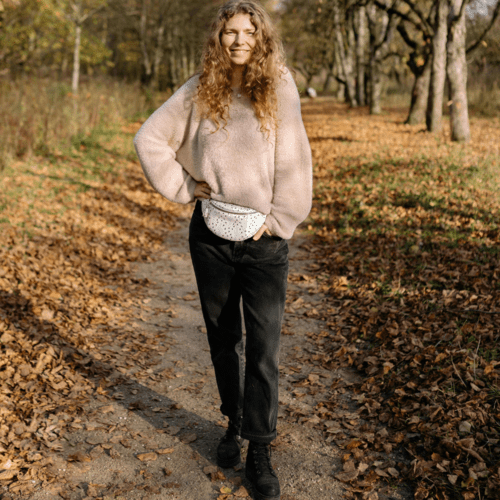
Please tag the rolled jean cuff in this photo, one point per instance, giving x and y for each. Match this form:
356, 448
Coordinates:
259, 439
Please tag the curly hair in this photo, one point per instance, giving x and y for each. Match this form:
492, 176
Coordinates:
260, 75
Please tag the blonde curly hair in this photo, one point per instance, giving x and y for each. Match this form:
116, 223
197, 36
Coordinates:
260, 75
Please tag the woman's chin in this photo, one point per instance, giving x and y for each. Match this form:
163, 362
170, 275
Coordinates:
239, 61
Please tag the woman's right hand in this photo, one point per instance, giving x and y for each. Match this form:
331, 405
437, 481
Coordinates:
202, 190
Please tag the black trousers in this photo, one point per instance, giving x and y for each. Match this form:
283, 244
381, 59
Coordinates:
256, 272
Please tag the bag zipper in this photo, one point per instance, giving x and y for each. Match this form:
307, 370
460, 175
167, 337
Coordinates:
233, 213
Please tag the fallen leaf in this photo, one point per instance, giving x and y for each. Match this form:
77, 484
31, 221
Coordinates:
165, 451
79, 457
147, 457
189, 438
241, 492
7, 475
347, 477
210, 469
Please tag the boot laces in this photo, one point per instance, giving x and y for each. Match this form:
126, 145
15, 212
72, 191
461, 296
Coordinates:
262, 459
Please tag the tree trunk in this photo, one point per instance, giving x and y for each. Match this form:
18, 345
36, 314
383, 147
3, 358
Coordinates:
144, 49
375, 87
328, 80
192, 63
346, 62
64, 65
341, 92
341, 88
160, 35
76, 59
420, 96
457, 73
360, 54
381, 32
105, 28
184, 62
438, 72
351, 57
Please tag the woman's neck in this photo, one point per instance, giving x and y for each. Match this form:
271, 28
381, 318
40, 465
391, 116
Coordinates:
237, 77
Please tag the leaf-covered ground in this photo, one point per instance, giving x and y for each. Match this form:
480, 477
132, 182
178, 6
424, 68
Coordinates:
69, 228
405, 230
404, 241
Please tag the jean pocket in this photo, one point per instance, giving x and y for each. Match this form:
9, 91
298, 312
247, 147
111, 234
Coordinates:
271, 237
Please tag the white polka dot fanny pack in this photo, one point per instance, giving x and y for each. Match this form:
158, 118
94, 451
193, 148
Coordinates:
231, 222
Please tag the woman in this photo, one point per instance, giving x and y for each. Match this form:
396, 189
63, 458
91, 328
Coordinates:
233, 133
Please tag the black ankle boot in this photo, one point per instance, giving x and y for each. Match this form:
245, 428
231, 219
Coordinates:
228, 450
260, 472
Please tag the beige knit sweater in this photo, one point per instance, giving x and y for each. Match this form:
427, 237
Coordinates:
240, 163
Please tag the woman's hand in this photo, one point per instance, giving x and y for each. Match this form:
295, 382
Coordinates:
261, 231
202, 190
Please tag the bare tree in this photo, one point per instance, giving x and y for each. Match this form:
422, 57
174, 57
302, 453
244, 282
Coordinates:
457, 72
144, 35
78, 12
361, 44
382, 28
345, 40
438, 68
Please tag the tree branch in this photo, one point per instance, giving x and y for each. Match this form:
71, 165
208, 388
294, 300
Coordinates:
390, 10
418, 12
406, 37
461, 13
343, 82
496, 14
391, 26
391, 54
90, 13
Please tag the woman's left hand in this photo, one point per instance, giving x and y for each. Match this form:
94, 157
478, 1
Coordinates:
202, 191
261, 231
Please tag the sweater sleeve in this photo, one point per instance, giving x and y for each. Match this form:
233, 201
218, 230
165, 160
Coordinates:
158, 141
292, 193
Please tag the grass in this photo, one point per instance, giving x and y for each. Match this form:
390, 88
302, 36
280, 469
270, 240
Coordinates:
42, 117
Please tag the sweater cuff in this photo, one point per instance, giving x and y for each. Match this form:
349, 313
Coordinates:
191, 186
275, 228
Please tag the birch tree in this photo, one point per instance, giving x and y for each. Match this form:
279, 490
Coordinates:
382, 28
361, 23
77, 12
457, 71
434, 117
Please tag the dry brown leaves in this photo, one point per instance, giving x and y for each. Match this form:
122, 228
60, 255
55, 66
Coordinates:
407, 246
406, 240
69, 231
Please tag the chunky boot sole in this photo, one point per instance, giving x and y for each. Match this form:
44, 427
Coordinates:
260, 496
224, 463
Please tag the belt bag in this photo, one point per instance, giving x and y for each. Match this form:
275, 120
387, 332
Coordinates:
231, 222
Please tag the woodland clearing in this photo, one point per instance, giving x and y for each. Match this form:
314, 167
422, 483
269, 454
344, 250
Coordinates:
390, 348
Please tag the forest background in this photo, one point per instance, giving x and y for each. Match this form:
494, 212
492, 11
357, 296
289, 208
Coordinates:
404, 226
68, 65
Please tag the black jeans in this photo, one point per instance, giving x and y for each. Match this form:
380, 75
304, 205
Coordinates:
255, 271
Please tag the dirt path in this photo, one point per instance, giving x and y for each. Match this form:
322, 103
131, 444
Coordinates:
155, 437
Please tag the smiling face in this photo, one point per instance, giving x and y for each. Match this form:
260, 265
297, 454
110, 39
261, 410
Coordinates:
238, 39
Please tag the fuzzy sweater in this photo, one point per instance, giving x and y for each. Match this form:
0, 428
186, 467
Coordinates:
241, 164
